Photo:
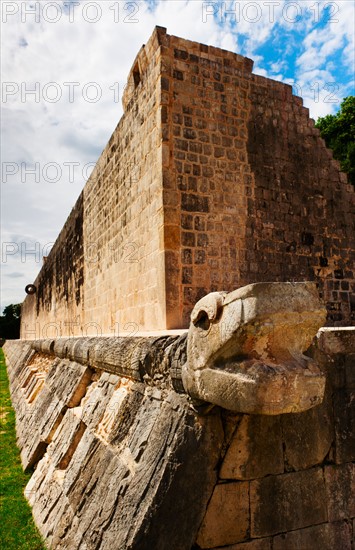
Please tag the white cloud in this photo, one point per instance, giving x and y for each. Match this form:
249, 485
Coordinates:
317, 76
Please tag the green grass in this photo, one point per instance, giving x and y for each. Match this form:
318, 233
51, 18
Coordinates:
17, 529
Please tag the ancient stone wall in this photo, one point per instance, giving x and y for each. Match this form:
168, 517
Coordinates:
251, 192
105, 273
213, 179
287, 482
58, 302
122, 460
205, 170
301, 213
123, 210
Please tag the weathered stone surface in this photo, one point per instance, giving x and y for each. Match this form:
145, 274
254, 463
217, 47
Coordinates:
349, 364
308, 436
134, 357
255, 450
17, 353
95, 403
334, 349
320, 537
344, 423
287, 502
340, 491
227, 517
334, 341
63, 386
110, 472
129, 464
245, 349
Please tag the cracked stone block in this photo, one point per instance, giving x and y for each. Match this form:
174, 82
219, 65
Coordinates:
227, 516
287, 502
319, 537
308, 436
255, 450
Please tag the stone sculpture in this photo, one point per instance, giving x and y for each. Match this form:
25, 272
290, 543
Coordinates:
245, 349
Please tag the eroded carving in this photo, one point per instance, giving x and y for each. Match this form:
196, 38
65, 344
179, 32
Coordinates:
245, 349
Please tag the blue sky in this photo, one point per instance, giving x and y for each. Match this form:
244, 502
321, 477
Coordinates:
64, 66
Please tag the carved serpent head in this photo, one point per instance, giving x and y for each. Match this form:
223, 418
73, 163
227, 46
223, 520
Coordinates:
245, 349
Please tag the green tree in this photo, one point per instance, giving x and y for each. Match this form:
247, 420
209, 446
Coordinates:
338, 131
10, 322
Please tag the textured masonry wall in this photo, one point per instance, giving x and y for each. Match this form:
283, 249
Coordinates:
59, 300
123, 210
205, 170
124, 461
105, 274
252, 194
213, 179
288, 482
301, 215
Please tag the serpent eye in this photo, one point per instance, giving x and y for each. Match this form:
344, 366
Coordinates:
203, 320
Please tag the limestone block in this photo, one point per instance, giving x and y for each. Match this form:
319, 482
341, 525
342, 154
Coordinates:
319, 537
63, 387
77, 349
337, 340
81, 468
46, 488
340, 491
16, 354
287, 502
332, 366
74, 381
139, 486
334, 349
255, 450
49, 501
114, 482
66, 439
245, 349
90, 497
97, 397
308, 436
61, 346
126, 356
227, 516
47, 346
39, 427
